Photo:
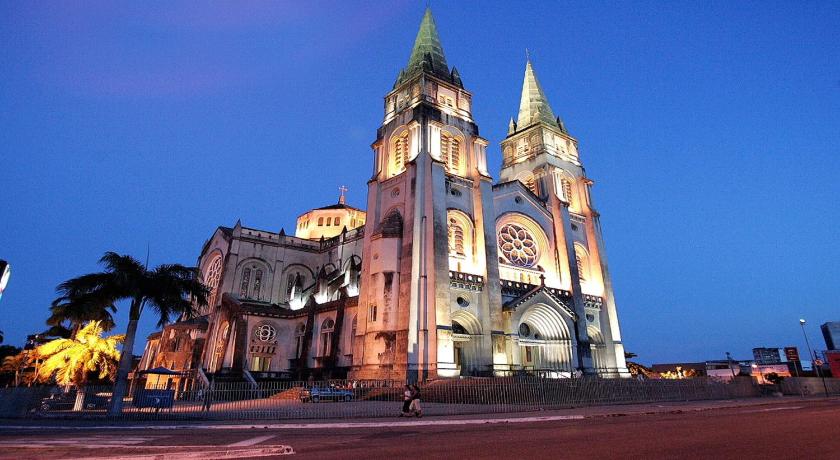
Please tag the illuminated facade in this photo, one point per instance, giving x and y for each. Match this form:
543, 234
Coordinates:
446, 273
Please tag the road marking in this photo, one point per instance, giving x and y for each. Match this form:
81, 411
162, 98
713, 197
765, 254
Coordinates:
781, 408
252, 441
271, 451
298, 426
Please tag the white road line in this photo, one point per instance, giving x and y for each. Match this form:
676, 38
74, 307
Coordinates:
252, 441
272, 451
299, 426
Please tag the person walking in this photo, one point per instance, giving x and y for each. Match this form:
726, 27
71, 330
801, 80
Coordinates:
414, 407
208, 396
407, 393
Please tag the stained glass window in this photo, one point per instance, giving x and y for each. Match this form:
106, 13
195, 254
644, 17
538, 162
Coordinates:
211, 279
517, 245
257, 284
246, 280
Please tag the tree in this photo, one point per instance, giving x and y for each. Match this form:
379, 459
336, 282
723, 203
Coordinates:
74, 309
170, 289
73, 361
16, 364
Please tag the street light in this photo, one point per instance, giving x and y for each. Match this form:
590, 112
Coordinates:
729, 358
813, 356
5, 273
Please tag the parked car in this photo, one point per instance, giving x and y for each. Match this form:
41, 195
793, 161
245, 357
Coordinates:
66, 401
317, 394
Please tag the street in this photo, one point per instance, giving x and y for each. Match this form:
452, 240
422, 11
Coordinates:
789, 428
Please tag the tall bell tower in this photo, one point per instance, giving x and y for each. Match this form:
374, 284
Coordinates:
541, 153
425, 223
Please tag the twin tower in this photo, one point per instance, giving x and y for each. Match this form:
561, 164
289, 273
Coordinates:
461, 276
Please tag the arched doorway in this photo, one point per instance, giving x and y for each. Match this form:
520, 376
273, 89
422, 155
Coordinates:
545, 343
465, 343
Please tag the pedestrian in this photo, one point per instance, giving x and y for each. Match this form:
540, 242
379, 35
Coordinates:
414, 407
407, 392
208, 396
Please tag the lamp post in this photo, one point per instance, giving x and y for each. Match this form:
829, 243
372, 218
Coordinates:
5, 273
812, 355
729, 359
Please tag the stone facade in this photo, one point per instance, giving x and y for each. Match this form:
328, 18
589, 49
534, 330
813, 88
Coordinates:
445, 273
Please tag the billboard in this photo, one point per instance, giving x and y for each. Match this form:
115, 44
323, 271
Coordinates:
792, 354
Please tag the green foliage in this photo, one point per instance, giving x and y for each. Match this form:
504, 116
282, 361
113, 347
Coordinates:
73, 361
774, 378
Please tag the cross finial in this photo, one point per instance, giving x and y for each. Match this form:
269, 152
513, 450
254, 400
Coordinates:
342, 190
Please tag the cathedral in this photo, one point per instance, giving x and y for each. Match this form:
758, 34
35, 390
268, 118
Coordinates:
444, 273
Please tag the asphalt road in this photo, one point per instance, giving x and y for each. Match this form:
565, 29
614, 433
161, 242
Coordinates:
789, 429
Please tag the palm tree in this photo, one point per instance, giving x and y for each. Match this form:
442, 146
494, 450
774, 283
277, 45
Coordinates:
73, 361
170, 289
16, 363
76, 310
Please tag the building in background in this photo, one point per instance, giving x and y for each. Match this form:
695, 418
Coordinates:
831, 334
768, 355
445, 273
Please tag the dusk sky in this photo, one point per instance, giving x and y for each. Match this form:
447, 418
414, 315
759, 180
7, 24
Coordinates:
711, 130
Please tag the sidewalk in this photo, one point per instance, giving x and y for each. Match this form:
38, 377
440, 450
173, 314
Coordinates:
551, 415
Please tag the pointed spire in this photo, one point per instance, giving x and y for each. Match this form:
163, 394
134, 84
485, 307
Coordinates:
511, 126
533, 106
427, 54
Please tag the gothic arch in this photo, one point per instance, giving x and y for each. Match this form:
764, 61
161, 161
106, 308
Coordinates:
584, 263
529, 180
468, 321
211, 275
287, 278
533, 229
453, 150
399, 151
461, 235
547, 321
353, 259
565, 187
253, 278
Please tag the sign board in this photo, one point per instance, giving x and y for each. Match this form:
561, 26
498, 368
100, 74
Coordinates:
792, 354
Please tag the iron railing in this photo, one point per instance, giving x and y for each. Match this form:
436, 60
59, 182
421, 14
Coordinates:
272, 400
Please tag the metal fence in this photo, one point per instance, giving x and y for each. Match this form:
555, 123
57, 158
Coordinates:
345, 399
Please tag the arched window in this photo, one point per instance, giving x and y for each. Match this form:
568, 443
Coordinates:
456, 238
327, 328
531, 183
582, 261
211, 279
337, 221
450, 153
508, 155
246, 281
255, 293
300, 331
320, 221
568, 193
399, 154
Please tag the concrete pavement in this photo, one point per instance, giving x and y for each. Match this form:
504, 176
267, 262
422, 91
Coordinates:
755, 428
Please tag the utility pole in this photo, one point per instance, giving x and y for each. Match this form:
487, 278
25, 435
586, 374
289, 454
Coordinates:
813, 356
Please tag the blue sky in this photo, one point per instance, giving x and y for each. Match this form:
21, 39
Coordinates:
711, 129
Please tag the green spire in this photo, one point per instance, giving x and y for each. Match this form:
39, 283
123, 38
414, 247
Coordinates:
533, 107
427, 54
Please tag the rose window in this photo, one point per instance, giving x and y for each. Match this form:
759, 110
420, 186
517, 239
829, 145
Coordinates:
265, 333
517, 245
